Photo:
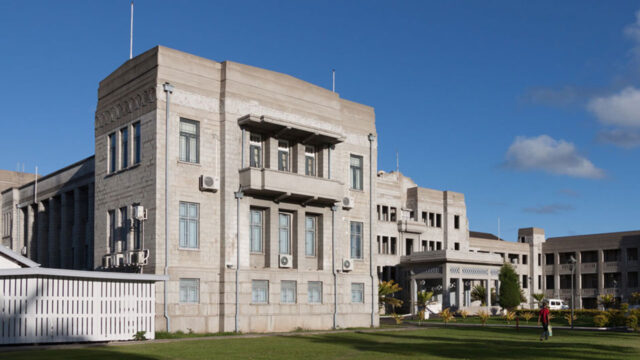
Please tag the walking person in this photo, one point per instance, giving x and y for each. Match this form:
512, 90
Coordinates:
543, 317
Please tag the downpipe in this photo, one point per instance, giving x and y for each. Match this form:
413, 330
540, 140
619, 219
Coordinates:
168, 89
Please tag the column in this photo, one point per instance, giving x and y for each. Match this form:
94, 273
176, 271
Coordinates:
89, 233
556, 275
76, 231
488, 294
459, 293
65, 233
30, 236
271, 241
600, 272
622, 269
271, 153
413, 289
54, 234
298, 238
43, 227
577, 284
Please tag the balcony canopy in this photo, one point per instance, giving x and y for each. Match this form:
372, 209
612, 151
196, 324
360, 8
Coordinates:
286, 130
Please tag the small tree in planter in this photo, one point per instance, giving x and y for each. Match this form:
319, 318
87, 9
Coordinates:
484, 316
538, 297
509, 316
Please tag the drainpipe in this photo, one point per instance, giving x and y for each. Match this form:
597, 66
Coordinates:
371, 138
333, 266
168, 90
329, 161
239, 194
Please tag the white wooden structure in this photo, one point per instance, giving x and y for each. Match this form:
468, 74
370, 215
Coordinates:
40, 305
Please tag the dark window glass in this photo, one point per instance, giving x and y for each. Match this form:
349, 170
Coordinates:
137, 146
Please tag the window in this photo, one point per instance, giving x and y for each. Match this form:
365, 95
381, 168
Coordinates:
283, 155
432, 221
589, 281
284, 233
589, 257
539, 259
385, 245
632, 279
357, 293
612, 280
356, 172
612, 255
190, 291
189, 141
259, 292
439, 245
189, 225
256, 231
439, 220
112, 153
255, 150
456, 246
315, 292
539, 282
137, 145
393, 214
548, 259
356, 240
632, 254
124, 148
425, 245
525, 283
393, 245
288, 292
309, 161
137, 234
456, 221
525, 259
550, 284
111, 219
385, 213
310, 235
124, 228
408, 246
6, 224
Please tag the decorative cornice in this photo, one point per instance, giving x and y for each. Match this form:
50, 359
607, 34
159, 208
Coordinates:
140, 99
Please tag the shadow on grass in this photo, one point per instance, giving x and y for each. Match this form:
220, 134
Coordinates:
485, 344
74, 354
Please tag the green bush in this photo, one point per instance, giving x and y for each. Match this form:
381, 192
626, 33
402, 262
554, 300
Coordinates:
601, 320
632, 322
616, 318
140, 335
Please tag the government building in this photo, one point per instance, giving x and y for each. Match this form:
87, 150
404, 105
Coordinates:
259, 195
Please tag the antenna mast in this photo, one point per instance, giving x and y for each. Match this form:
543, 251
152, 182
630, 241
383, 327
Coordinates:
131, 34
333, 72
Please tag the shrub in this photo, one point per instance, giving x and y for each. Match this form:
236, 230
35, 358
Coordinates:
509, 316
510, 291
632, 322
527, 315
463, 313
386, 289
634, 299
570, 319
616, 318
397, 318
139, 336
607, 301
446, 316
601, 320
484, 316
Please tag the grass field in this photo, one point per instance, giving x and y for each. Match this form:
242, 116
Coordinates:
581, 321
430, 343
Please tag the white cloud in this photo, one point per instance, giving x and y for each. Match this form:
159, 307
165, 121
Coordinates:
622, 109
550, 155
633, 32
627, 139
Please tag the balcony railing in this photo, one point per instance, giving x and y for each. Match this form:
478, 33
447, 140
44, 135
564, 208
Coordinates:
589, 292
281, 185
411, 226
589, 267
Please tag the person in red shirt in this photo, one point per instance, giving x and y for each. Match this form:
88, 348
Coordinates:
543, 317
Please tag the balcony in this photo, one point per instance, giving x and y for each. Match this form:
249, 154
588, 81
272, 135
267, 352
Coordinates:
548, 269
410, 226
589, 292
611, 266
589, 268
281, 185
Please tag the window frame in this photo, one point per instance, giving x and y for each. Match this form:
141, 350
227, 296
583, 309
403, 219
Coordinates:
314, 233
358, 237
187, 158
187, 300
137, 142
295, 292
255, 144
289, 216
285, 150
361, 285
311, 300
252, 250
353, 170
188, 219
124, 148
310, 156
112, 156
255, 286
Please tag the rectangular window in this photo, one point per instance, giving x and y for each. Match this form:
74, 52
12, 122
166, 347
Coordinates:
525, 283
539, 259
190, 291
456, 246
432, 221
394, 215
284, 233
256, 230
539, 282
632, 254
632, 279
525, 259
456, 221
124, 228
356, 172
385, 245
189, 223
589, 281
137, 234
124, 148
408, 246
112, 152
548, 259
255, 150
310, 235
315, 292
550, 283
356, 240
288, 292
189, 141
425, 246
357, 293
283, 155
394, 244
137, 145
612, 255
589, 257
439, 220
259, 292
438, 245
309, 161
612, 280
111, 218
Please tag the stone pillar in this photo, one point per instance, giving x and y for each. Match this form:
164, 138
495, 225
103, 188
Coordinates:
65, 233
54, 234
91, 264
600, 272
76, 233
577, 284
298, 237
556, 274
488, 292
43, 227
271, 153
271, 241
31, 238
459, 293
622, 269
413, 288
297, 159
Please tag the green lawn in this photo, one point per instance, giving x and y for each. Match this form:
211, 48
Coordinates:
586, 321
430, 343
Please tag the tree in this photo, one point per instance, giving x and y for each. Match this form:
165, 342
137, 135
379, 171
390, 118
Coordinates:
509, 287
607, 301
423, 298
539, 297
634, 299
386, 289
479, 293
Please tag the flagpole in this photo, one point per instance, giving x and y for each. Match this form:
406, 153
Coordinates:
131, 34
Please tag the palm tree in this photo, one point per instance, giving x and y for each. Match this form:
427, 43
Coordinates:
608, 301
479, 293
386, 289
423, 298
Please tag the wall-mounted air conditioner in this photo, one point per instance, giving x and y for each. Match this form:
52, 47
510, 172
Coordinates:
117, 260
347, 265
209, 183
138, 257
348, 202
139, 212
285, 261
106, 261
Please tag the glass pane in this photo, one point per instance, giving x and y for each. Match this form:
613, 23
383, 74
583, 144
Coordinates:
310, 222
183, 233
256, 217
183, 148
284, 220
356, 161
193, 150
193, 234
284, 241
193, 211
188, 127
310, 246
256, 239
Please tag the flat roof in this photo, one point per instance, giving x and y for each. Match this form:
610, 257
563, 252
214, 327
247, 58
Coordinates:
82, 274
602, 236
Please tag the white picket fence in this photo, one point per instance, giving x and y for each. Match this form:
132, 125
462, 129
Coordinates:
49, 309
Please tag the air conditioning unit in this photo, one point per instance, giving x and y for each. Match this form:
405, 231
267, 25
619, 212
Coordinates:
347, 264
117, 260
285, 261
348, 202
106, 261
138, 257
139, 212
209, 183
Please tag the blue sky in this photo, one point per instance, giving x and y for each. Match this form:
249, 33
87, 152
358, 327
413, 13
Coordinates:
531, 109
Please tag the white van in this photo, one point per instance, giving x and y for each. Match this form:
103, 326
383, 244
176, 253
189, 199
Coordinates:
557, 304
